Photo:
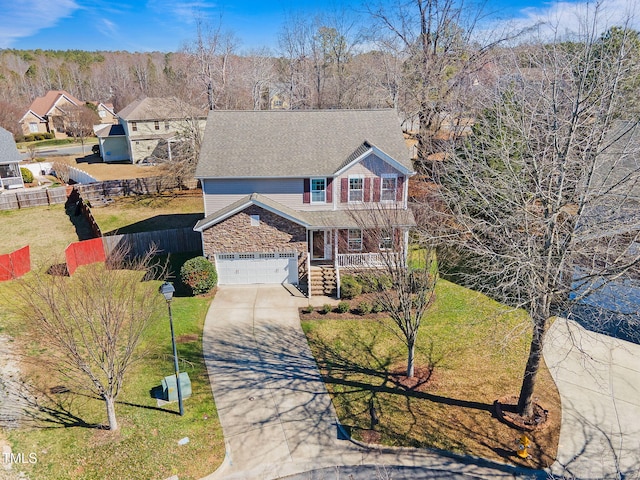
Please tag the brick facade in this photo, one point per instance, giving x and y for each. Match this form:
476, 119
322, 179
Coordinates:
273, 234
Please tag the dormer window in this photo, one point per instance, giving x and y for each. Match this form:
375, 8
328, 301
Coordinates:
356, 189
318, 190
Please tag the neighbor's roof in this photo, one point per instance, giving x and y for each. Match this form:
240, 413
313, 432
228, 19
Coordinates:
286, 143
159, 108
8, 150
41, 106
311, 219
109, 130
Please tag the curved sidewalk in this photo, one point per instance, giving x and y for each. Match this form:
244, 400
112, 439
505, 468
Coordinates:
598, 378
276, 414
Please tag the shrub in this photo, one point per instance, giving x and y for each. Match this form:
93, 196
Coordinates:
27, 176
369, 283
326, 308
308, 309
49, 136
349, 287
343, 307
364, 308
199, 274
377, 307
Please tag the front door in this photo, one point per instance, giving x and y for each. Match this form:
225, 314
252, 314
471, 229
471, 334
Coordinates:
321, 245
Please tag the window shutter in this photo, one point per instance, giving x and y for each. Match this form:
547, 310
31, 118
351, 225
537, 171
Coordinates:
376, 189
367, 190
306, 196
344, 190
400, 189
329, 191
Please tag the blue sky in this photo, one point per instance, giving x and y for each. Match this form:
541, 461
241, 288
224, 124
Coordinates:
165, 25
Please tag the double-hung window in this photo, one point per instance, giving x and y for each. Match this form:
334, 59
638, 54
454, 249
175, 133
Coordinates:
388, 188
356, 189
318, 190
354, 240
386, 239
156, 125
134, 126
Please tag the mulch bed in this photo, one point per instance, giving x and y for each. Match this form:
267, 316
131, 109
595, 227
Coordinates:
506, 408
353, 312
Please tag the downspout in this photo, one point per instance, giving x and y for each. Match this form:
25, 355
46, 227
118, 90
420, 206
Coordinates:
308, 268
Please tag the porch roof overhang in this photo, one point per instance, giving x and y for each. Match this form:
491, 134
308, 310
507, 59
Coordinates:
363, 218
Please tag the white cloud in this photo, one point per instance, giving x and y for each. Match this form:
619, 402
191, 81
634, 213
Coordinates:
182, 11
567, 19
25, 22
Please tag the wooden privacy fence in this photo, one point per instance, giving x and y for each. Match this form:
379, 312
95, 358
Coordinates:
177, 240
33, 198
15, 264
99, 191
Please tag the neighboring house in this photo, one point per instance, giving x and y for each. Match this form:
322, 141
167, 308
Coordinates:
10, 176
147, 128
47, 114
105, 112
286, 192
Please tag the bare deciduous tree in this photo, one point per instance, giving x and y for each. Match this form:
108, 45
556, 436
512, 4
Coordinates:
91, 324
542, 199
405, 281
79, 121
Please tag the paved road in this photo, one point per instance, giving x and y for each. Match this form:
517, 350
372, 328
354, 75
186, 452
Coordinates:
60, 151
598, 378
275, 411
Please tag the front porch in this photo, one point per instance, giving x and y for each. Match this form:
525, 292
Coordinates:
332, 251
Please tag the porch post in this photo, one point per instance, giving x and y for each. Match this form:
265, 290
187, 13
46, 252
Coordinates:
406, 247
335, 261
308, 267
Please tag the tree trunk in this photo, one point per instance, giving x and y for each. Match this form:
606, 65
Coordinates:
525, 401
111, 412
410, 359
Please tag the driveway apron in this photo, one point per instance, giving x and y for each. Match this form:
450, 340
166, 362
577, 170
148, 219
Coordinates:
273, 406
598, 378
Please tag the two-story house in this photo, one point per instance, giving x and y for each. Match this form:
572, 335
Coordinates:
47, 114
146, 129
10, 176
282, 191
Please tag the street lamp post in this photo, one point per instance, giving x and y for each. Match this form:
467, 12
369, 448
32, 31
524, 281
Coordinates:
167, 290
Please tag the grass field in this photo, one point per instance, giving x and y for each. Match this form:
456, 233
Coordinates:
150, 212
107, 171
470, 352
47, 231
146, 445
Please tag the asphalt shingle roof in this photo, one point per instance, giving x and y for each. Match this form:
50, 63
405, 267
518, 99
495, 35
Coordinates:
8, 150
285, 143
159, 108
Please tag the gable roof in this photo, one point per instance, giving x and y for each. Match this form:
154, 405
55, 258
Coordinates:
289, 143
8, 149
41, 106
159, 108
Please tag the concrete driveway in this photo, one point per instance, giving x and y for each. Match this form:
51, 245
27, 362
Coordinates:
598, 378
275, 411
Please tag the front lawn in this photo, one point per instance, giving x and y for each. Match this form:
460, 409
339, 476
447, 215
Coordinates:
68, 446
470, 352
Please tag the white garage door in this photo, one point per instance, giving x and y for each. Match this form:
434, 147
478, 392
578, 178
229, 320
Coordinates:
246, 268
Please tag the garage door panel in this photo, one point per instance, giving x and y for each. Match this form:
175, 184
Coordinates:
254, 268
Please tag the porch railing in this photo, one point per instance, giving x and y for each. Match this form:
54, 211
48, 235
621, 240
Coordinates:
366, 260
11, 182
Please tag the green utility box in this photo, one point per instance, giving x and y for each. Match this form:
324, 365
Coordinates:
169, 390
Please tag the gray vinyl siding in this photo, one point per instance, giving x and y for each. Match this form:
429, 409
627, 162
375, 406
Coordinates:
218, 193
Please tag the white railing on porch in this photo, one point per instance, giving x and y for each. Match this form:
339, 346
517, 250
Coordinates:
366, 260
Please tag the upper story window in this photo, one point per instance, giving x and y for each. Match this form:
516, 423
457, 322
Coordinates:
318, 190
356, 189
166, 125
134, 126
156, 125
102, 113
354, 238
388, 188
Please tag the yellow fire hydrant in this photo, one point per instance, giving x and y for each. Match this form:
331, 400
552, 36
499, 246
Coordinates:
523, 447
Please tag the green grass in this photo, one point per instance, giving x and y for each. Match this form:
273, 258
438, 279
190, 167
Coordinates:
150, 212
47, 231
146, 445
470, 352
52, 142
